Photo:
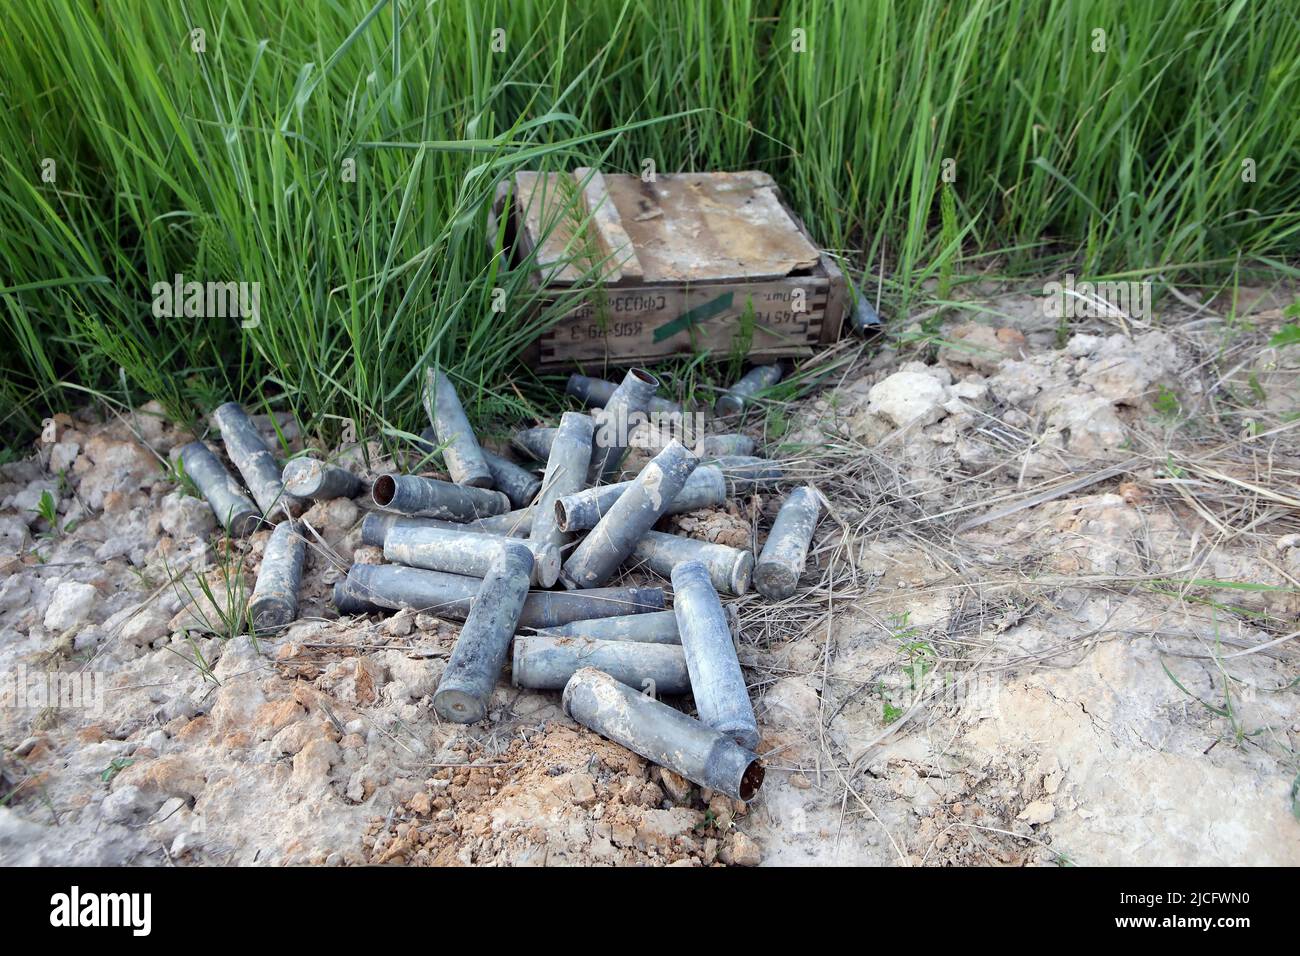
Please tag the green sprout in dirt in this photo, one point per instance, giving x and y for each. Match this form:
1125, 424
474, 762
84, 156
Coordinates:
222, 610
890, 712
1182, 589
198, 661
1289, 334
1166, 403
709, 819
1256, 389
776, 411
177, 474
778, 423
741, 341
1228, 710
919, 661
921, 655
48, 510
115, 766
685, 375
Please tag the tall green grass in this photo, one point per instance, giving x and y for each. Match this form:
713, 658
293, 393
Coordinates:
228, 165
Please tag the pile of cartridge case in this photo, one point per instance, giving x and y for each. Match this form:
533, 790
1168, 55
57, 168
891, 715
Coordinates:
527, 554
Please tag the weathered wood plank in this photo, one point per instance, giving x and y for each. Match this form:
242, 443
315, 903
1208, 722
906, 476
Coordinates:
550, 227
624, 266
694, 227
652, 321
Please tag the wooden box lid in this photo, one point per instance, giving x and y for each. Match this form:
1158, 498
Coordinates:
681, 228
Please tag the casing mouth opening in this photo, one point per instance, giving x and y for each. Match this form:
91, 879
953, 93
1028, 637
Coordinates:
645, 376
385, 489
750, 781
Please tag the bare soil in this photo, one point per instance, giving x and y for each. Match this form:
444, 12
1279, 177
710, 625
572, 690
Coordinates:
1049, 618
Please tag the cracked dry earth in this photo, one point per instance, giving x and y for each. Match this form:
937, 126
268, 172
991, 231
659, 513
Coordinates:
1049, 618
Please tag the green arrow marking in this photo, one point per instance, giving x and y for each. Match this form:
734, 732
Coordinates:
696, 316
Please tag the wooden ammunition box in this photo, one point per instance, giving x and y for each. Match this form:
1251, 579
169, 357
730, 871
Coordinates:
684, 263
